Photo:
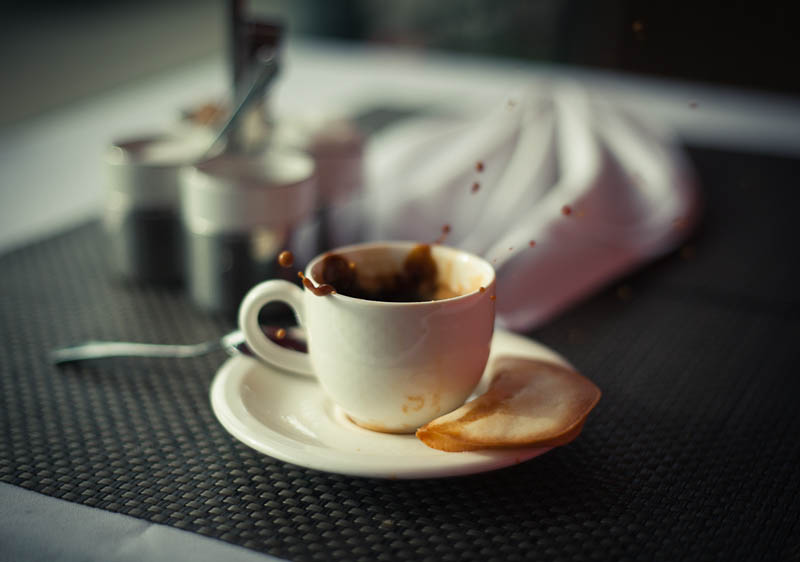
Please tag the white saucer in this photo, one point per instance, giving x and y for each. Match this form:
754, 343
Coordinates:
287, 417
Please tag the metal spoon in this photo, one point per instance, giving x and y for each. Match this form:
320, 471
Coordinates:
233, 344
266, 72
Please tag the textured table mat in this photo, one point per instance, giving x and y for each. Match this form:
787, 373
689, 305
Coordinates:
693, 453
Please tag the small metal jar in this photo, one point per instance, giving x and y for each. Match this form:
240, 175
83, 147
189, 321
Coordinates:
239, 211
337, 149
337, 146
141, 215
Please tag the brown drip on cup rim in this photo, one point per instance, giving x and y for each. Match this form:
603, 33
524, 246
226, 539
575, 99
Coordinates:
319, 290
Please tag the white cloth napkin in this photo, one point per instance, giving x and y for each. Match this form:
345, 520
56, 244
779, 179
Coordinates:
573, 193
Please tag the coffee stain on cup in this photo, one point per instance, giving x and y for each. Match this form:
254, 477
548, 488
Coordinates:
415, 403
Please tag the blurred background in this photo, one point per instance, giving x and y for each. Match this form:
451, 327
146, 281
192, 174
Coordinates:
55, 52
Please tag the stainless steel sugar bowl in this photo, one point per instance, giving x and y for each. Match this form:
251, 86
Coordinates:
141, 215
239, 211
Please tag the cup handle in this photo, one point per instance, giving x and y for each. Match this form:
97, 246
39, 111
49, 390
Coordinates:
263, 293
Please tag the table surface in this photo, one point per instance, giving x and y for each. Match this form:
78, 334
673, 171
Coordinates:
691, 454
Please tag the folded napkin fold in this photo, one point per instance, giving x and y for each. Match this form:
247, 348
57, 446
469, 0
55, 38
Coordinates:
564, 192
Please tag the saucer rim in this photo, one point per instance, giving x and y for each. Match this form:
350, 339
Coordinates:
230, 410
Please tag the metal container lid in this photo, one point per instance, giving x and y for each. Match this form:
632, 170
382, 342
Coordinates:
145, 171
337, 146
239, 192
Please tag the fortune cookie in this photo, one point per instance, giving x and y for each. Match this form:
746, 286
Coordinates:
529, 403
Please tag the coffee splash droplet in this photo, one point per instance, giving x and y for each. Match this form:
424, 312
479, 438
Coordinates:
624, 293
286, 259
443, 236
638, 28
680, 223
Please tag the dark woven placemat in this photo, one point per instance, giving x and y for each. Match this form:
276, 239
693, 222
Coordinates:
693, 453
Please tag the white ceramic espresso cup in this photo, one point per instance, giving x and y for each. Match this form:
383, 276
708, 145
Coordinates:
391, 366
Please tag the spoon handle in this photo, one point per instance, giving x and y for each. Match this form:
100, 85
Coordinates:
101, 349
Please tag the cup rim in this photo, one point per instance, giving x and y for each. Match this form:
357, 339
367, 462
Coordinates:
481, 262
129, 151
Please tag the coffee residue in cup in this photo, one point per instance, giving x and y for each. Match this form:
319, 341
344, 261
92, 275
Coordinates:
416, 281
